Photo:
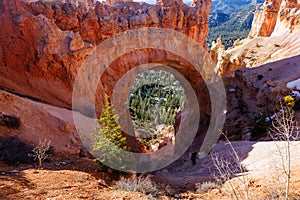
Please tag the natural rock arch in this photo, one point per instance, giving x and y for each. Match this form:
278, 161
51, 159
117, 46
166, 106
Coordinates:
106, 66
45, 43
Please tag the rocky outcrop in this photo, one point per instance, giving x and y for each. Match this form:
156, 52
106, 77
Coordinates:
274, 36
253, 94
225, 63
276, 17
45, 42
38, 121
112, 2
265, 19
288, 19
32, 121
89, 3
271, 49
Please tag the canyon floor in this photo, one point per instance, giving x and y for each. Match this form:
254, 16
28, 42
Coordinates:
80, 178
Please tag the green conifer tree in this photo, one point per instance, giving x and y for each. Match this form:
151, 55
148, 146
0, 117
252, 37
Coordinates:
109, 140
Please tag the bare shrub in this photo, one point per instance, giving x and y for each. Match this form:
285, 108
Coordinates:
232, 172
206, 186
137, 184
276, 187
40, 151
144, 185
285, 129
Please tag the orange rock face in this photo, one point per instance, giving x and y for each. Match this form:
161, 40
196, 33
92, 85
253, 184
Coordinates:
276, 17
44, 43
288, 19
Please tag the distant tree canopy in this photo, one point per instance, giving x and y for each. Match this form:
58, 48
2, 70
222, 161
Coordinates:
155, 98
232, 26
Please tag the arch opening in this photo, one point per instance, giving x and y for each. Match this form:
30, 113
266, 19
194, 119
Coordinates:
119, 77
154, 100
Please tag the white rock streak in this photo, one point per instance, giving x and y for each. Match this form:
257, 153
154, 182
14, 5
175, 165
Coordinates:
294, 84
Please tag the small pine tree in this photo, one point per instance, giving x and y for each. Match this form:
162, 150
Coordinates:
109, 141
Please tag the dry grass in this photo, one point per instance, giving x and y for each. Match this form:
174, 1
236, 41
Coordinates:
144, 185
206, 186
137, 184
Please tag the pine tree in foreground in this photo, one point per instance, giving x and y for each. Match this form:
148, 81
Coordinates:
109, 140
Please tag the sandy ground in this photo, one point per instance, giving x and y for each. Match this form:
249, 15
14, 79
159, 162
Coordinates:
80, 178
68, 179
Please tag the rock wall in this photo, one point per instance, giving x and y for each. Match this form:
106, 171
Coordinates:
274, 36
265, 19
225, 63
254, 92
288, 19
45, 42
40, 121
276, 17
272, 50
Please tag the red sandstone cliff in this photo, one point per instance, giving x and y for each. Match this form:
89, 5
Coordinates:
43, 44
